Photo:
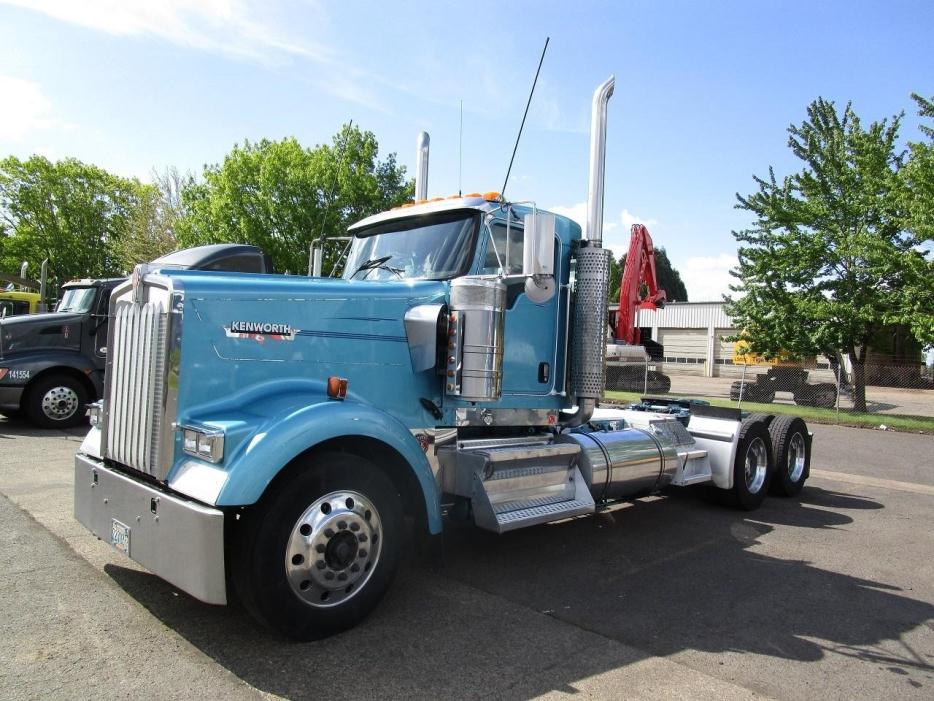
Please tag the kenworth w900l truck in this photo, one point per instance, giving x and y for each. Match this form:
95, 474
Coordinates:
263, 437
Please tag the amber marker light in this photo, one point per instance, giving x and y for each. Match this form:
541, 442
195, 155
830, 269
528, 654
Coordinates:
337, 387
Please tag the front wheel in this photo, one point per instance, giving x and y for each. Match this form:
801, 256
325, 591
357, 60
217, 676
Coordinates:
317, 555
56, 401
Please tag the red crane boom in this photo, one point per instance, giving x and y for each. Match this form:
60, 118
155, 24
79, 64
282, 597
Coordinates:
640, 269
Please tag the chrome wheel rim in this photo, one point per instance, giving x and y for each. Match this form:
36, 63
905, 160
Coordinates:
796, 457
60, 403
333, 549
756, 465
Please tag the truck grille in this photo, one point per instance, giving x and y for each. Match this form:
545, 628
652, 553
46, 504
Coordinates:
137, 386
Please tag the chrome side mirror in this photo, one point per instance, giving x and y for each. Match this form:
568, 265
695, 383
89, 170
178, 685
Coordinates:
538, 245
538, 256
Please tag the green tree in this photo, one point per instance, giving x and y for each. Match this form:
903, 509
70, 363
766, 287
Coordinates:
824, 263
669, 279
281, 196
70, 212
153, 220
918, 178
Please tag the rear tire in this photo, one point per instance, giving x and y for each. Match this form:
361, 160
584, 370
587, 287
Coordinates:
56, 401
316, 555
752, 465
791, 455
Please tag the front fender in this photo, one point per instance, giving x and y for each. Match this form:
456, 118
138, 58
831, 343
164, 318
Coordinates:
36, 363
280, 436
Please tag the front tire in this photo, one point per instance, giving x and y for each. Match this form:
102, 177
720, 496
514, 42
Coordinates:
791, 452
317, 555
56, 401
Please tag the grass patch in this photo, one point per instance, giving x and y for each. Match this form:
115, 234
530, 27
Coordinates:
896, 422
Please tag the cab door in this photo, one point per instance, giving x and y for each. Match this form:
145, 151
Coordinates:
530, 349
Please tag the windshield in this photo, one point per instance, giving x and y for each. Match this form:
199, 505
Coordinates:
76, 299
434, 247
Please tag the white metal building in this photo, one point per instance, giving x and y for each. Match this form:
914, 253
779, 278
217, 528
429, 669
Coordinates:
693, 335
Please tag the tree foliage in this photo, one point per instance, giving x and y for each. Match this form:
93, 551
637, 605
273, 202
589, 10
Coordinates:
154, 220
281, 196
72, 213
827, 259
918, 178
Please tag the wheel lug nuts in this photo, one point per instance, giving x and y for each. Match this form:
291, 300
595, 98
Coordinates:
355, 527
320, 564
342, 525
329, 575
342, 576
320, 548
362, 553
355, 567
328, 533
362, 537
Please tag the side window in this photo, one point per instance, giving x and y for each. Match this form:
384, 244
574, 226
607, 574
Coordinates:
509, 253
103, 306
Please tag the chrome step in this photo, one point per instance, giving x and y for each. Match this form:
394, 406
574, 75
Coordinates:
534, 515
513, 484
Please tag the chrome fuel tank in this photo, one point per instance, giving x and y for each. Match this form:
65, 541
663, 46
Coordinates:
620, 464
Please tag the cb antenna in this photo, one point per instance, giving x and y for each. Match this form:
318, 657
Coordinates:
521, 126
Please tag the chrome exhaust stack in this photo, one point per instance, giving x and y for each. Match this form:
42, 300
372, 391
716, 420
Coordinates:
601, 97
421, 166
588, 336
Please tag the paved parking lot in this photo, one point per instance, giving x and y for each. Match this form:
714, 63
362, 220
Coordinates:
831, 595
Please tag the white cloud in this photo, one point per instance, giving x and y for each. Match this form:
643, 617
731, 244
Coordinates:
25, 108
222, 26
615, 232
707, 278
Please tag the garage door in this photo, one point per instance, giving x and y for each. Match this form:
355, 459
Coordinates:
723, 350
684, 345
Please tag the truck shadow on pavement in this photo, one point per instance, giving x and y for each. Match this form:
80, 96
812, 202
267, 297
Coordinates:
537, 610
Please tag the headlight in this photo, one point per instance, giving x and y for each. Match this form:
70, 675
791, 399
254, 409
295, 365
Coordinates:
94, 414
207, 444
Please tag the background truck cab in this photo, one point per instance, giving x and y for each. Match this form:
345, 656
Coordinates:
52, 365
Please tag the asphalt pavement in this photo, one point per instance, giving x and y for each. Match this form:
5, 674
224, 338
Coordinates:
829, 595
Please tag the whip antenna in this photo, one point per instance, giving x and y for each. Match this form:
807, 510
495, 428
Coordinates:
502, 192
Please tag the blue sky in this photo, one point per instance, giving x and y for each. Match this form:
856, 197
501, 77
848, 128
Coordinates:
704, 92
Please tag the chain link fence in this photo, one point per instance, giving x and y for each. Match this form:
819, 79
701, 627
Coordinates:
905, 389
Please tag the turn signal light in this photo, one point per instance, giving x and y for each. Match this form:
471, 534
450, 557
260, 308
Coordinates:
337, 387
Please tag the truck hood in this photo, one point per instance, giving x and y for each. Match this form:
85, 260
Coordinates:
55, 330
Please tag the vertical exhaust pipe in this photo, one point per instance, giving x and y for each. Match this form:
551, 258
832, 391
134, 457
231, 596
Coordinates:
588, 336
43, 276
601, 97
421, 166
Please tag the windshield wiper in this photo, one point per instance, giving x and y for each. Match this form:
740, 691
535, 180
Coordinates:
376, 263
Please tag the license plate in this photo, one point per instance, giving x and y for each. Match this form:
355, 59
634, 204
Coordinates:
120, 536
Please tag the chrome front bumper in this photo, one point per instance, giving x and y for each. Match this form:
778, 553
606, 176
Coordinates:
179, 540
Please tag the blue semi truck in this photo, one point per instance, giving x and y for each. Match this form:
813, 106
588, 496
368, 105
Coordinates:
264, 438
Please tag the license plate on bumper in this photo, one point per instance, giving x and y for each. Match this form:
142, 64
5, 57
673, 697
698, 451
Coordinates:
120, 536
